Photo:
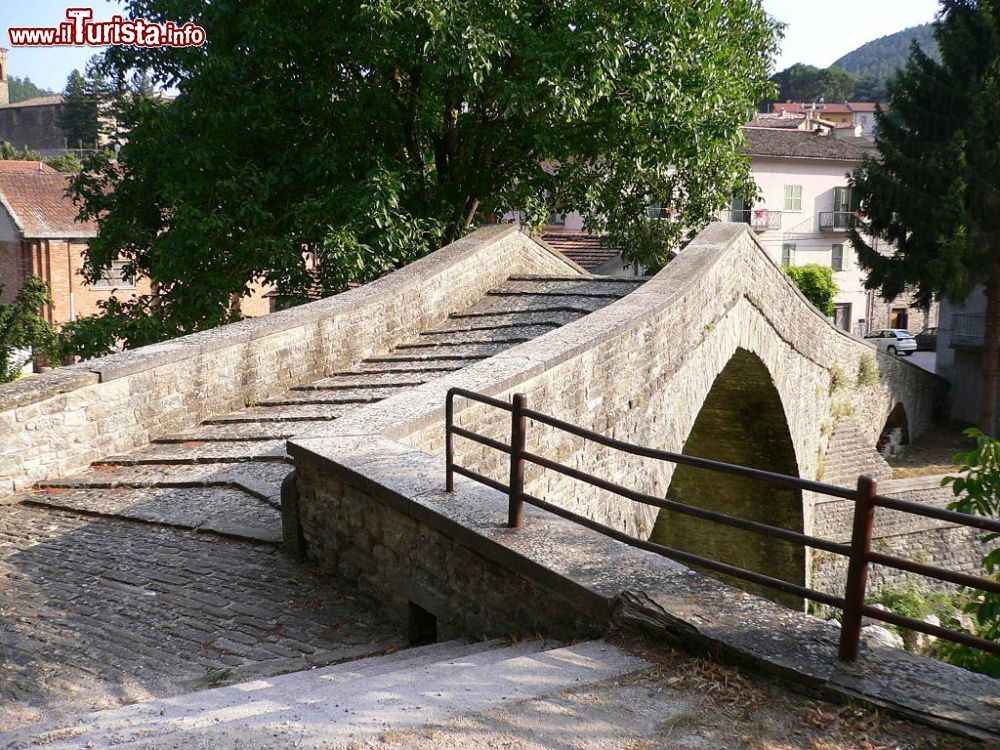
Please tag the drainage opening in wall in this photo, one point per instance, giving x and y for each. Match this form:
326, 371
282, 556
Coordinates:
421, 627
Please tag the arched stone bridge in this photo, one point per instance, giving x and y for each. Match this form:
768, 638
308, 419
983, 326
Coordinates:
108, 466
719, 355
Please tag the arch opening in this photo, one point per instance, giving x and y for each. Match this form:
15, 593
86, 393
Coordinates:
895, 434
742, 421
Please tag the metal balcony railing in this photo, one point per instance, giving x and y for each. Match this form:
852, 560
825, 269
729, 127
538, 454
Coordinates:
968, 329
837, 221
759, 219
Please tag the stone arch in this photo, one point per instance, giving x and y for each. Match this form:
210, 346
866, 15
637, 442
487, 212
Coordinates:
895, 433
742, 421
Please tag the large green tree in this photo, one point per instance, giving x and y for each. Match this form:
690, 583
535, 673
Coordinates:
373, 132
931, 193
23, 331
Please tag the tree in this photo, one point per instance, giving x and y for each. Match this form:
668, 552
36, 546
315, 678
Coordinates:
20, 89
85, 103
932, 191
379, 131
817, 284
22, 328
805, 83
978, 493
78, 117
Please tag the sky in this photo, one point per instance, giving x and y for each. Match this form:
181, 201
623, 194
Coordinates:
820, 33
817, 33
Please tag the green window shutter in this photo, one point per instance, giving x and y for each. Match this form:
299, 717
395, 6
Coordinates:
837, 259
793, 197
787, 253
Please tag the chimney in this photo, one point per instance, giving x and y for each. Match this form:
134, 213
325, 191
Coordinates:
4, 89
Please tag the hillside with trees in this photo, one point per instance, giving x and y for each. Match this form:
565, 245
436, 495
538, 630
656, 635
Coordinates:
23, 88
882, 57
860, 75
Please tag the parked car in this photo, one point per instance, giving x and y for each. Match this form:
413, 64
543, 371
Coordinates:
927, 340
893, 341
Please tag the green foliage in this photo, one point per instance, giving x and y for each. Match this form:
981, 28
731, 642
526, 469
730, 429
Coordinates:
817, 284
23, 328
65, 163
83, 100
931, 191
881, 58
913, 600
805, 83
978, 492
10, 153
868, 373
379, 131
838, 379
23, 88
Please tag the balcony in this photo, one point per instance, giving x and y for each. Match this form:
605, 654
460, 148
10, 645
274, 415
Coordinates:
759, 219
837, 221
968, 329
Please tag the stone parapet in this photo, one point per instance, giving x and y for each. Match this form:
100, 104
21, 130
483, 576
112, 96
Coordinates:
61, 421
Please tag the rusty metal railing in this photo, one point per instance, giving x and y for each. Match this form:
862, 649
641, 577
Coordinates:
859, 551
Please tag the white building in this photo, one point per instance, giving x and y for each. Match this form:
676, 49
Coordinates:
804, 211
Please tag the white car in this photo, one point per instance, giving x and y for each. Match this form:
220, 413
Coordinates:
893, 341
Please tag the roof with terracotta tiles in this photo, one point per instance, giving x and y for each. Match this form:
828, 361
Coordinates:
17, 165
802, 144
38, 101
39, 207
589, 251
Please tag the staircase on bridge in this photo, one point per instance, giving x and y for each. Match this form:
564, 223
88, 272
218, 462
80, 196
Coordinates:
156, 572
400, 692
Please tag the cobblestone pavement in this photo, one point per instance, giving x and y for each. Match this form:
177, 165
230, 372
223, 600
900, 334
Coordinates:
98, 611
158, 572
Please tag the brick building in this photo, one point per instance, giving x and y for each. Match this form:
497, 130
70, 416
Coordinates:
40, 236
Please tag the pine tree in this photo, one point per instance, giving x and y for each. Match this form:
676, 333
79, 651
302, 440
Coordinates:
78, 118
932, 191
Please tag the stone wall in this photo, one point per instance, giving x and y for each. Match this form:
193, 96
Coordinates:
924, 540
641, 370
61, 421
34, 127
369, 535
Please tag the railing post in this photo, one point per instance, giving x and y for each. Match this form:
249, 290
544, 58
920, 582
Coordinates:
857, 569
518, 427
449, 443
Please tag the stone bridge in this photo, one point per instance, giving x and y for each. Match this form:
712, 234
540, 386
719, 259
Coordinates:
145, 491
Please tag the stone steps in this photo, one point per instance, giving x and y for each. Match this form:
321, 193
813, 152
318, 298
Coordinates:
226, 511
246, 431
260, 480
322, 707
196, 452
291, 413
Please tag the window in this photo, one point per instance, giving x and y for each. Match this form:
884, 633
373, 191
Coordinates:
837, 259
842, 316
793, 197
787, 253
115, 277
557, 220
657, 211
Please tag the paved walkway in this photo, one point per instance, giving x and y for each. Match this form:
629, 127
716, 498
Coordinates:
158, 572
